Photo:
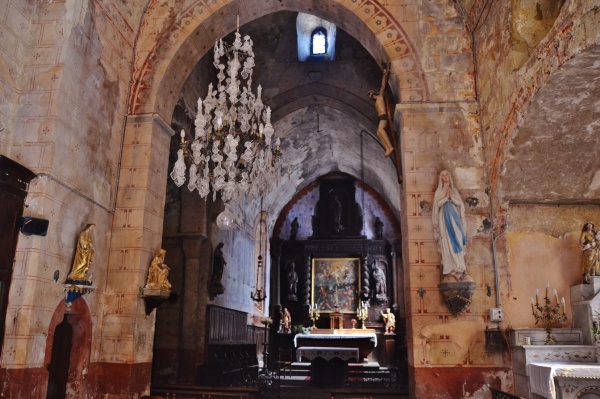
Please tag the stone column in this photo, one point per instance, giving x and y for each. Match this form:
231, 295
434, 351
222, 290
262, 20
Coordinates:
193, 232
127, 333
275, 279
434, 137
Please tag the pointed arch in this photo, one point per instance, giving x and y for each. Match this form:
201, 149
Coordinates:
184, 36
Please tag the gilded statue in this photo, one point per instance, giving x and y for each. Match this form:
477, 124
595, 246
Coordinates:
590, 252
286, 321
84, 254
158, 273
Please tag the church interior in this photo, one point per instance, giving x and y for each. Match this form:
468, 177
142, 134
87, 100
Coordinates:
277, 198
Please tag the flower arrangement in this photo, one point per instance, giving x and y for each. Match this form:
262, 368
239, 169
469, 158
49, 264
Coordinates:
596, 326
297, 329
267, 322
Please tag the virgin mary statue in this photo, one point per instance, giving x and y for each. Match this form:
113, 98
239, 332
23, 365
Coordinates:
449, 225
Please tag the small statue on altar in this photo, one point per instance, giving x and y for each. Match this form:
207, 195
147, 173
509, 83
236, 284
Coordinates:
390, 321
286, 321
84, 254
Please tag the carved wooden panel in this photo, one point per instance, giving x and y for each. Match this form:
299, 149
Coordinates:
226, 326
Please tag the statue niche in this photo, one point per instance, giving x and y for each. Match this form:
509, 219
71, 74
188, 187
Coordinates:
337, 214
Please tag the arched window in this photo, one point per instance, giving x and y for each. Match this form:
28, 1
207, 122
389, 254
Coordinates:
316, 38
319, 41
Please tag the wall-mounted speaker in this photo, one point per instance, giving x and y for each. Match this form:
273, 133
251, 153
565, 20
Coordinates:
34, 226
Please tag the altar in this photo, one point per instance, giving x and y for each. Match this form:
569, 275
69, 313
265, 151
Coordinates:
364, 340
553, 380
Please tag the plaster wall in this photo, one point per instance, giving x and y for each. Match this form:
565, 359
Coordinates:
437, 137
66, 72
541, 246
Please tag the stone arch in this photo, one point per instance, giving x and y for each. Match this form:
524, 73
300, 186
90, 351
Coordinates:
569, 49
80, 319
163, 56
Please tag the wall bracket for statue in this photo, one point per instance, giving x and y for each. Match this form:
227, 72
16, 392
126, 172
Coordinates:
153, 298
76, 291
458, 292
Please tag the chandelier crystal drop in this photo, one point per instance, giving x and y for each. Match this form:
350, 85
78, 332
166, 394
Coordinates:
234, 150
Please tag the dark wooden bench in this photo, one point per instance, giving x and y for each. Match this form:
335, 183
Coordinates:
198, 392
229, 365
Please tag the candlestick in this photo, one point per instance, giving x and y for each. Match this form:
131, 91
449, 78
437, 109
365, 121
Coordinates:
547, 314
532, 306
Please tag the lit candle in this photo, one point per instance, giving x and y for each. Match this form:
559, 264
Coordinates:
556, 295
532, 307
182, 134
563, 304
537, 292
547, 287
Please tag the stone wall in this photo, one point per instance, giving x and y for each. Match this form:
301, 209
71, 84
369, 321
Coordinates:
66, 72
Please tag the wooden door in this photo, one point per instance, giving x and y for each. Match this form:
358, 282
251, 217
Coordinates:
14, 180
58, 369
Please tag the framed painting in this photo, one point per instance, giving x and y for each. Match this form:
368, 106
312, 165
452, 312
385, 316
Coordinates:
335, 281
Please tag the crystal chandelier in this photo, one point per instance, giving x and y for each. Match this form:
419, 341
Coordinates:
233, 151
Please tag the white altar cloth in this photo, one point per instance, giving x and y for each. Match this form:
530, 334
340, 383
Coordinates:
541, 375
372, 336
312, 352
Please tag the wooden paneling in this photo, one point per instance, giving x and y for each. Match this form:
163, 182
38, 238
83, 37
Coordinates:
226, 326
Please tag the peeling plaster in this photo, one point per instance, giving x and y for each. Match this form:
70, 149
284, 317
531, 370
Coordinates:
309, 154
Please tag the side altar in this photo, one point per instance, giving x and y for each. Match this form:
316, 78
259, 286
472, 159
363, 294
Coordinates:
365, 340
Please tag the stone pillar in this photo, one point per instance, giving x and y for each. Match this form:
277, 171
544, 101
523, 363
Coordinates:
275, 278
188, 350
434, 137
127, 333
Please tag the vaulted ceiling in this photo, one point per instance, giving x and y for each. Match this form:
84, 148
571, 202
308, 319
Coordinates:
320, 110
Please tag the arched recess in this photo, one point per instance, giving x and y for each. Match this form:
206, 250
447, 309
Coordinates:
549, 134
313, 238
184, 36
79, 317
569, 50
374, 203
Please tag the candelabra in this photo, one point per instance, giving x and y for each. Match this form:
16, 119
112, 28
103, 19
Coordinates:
313, 314
548, 314
267, 323
362, 313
